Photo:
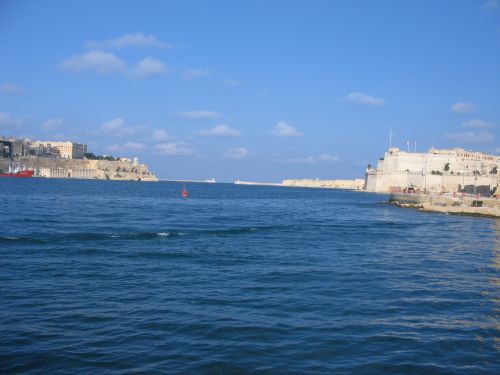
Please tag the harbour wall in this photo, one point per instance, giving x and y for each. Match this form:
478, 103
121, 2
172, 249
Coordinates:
356, 184
455, 204
384, 182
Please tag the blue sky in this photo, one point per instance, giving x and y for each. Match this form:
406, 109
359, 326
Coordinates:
255, 90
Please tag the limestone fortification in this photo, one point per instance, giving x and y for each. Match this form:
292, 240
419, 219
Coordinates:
437, 171
83, 168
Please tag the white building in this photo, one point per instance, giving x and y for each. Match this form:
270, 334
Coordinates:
448, 170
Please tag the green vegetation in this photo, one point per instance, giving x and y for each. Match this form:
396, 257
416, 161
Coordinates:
91, 156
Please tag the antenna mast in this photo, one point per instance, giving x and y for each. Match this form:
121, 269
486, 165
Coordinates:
391, 134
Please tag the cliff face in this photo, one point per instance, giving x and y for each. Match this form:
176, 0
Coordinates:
84, 169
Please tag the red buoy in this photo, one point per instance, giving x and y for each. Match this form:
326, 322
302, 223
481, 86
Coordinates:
184, 193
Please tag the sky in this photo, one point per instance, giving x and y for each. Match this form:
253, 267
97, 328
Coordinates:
252, 90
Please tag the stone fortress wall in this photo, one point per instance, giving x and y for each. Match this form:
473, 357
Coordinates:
448, 170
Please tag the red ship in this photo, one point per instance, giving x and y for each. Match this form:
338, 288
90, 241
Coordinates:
18, 172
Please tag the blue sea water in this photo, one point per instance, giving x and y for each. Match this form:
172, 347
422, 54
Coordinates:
127, 277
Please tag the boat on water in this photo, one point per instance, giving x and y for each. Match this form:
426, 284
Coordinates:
17, 171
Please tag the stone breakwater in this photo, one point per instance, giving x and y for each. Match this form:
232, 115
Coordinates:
84, 169
356, 184
471, 205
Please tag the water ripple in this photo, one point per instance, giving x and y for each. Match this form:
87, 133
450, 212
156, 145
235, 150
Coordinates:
119, 277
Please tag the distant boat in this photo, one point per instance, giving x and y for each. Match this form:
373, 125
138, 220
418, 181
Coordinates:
19, 171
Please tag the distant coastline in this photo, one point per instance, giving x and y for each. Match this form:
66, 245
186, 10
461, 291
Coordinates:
53, 159
119, 170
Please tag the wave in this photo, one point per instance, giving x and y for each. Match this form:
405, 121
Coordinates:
165, 234
13, 239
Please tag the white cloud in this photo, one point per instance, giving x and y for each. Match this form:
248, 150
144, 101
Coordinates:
128, 40
8, 121
360, 98
108, 63
476, 123
236, 153
161, 135
231, 83
282, 129
147, 67
323, 158
491, 4
221, 130
136, 146
481, 136
98, 61
461, 107
191, 74
129, 146
9, 88
113, 125
52, 124
195, 115
173, 148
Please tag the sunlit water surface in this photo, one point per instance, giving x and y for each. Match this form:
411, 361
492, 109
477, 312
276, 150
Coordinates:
122, 277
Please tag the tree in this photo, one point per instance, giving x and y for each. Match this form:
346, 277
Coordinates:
494, 170
446, 167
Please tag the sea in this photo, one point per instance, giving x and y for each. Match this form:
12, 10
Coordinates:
131, 278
